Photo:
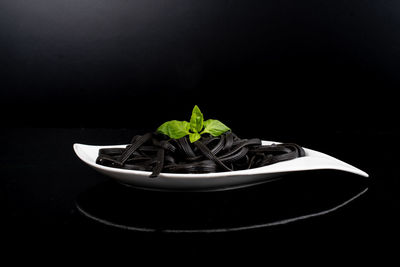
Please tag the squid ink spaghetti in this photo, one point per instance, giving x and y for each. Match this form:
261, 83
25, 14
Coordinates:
156, 152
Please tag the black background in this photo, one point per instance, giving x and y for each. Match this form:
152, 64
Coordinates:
329, 64
319, 73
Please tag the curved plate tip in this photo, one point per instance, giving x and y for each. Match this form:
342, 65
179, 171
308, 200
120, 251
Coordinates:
355, 170
324, 161
360, 172
77, 149
85, 152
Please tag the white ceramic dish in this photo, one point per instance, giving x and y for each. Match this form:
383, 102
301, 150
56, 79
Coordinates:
313, 160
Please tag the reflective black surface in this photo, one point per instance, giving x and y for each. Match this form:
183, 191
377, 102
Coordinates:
296, 197
322, 74
48, 194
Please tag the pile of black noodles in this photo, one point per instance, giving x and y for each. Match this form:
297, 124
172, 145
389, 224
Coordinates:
158, 153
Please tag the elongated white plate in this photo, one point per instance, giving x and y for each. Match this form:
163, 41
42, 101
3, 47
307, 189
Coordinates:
313, 160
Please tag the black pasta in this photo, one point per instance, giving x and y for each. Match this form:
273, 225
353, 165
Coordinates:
158, 153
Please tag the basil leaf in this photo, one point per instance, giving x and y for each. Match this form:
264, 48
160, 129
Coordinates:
196, 121
194, 137
175, 129
215, 127
178, 129
186, 125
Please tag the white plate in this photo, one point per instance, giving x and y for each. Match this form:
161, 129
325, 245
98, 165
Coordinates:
313, 160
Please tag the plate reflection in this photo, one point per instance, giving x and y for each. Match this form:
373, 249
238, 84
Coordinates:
298, 196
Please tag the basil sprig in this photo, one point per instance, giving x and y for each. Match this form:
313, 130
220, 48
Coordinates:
195, 128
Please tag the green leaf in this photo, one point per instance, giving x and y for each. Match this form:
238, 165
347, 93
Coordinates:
214, 127
178, 129
194, 137
196, 121
175, 129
